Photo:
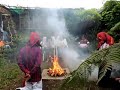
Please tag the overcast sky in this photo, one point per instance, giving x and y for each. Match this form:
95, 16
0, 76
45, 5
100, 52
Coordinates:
55, 3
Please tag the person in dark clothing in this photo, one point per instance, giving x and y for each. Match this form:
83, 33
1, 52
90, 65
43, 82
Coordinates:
107, 81
29, 60
104, 41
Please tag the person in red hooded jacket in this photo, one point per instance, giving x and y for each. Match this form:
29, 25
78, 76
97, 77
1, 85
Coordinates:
104, 37
106, 81
30, 58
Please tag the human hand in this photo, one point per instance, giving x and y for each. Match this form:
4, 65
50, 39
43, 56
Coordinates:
27, 75
117, 79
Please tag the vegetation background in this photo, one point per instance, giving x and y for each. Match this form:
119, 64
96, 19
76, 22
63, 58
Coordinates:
79, 22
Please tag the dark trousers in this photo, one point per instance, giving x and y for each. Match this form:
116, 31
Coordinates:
107, 82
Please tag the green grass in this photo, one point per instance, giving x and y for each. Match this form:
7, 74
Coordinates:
10, 75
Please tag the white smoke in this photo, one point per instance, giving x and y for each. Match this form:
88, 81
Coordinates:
49, 23
56, 23
70, 55
71, 58
94, 74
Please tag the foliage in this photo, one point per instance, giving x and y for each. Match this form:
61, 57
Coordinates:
104, 57
9, 75
110, 14
71, 20
90, 14
10, 54
114, 31
81, 21
89, 22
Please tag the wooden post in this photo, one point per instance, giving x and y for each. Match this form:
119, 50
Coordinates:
0, 19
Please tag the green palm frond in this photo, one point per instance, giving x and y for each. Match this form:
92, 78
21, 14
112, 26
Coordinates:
105, 65
104, 57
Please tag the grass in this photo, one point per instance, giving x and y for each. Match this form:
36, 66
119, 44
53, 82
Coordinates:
10, 75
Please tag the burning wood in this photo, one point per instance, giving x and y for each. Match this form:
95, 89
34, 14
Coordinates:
52, 82
57, 70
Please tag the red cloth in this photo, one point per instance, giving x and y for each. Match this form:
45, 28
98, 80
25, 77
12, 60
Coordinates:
104, 37
34, 38
30, 58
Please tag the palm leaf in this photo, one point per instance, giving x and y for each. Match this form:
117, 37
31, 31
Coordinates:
103, 57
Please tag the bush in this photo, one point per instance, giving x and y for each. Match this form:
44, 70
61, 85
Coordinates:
9, 75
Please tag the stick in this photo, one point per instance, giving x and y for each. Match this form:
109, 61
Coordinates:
43, 56
56, 52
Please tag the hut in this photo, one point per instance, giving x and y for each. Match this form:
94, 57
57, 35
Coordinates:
7, 23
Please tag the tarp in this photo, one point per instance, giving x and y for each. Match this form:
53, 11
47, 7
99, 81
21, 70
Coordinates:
18, 10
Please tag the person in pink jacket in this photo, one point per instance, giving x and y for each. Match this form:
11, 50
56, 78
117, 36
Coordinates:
30, 58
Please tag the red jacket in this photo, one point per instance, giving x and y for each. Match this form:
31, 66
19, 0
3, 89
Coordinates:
104, 37
30, 58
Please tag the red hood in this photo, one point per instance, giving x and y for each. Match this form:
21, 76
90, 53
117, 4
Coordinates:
34, 38
101, 35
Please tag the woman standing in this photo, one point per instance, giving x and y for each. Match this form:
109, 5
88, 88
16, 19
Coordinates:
29, 61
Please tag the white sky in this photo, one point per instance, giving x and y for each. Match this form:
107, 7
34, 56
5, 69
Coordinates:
87, 4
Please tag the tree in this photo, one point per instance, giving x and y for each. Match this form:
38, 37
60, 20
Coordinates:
114, 31
71, 20
89, 21
81, 21
110, 14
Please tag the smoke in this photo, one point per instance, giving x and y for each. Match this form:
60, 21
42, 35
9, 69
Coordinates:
94, 73
56, 24
72, 58
51, 22
115, 70
71, 55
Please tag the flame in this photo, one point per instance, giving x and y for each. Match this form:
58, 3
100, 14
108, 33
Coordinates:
56, 70
2, 43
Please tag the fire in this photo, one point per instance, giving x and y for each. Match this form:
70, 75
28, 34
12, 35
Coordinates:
2, 43
56, 70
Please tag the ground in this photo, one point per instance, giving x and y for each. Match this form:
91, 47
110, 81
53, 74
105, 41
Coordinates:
11, 77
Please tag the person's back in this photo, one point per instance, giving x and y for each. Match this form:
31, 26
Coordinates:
29, 61
104, 37
110, 39
29, 56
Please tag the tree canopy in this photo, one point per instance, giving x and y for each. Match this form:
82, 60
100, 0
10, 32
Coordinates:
110, 14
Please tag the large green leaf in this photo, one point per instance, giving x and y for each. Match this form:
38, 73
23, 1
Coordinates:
104, 57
